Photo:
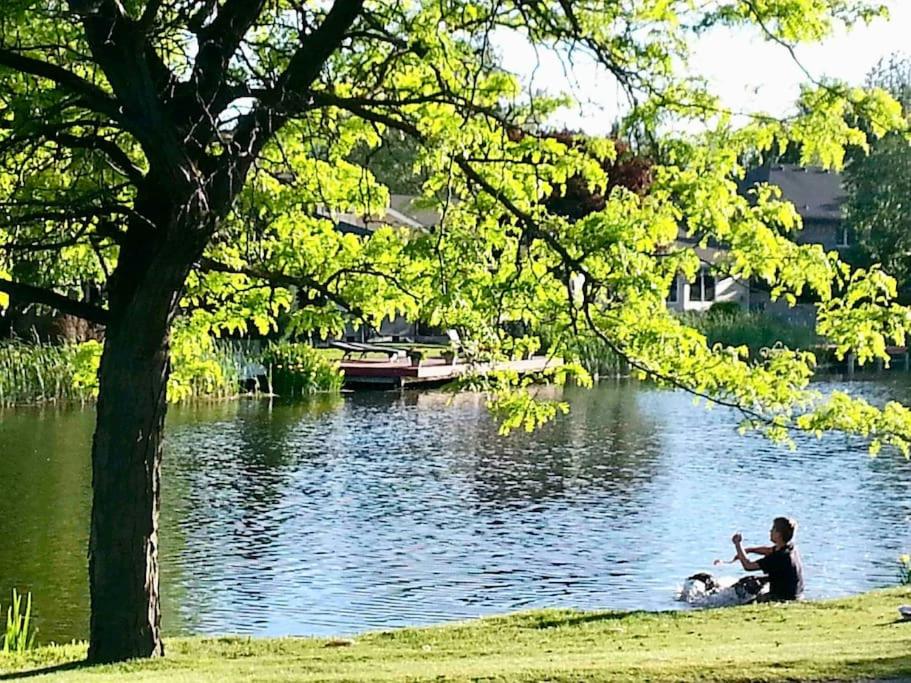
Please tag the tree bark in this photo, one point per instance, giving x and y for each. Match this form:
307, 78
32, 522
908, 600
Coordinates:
126, 464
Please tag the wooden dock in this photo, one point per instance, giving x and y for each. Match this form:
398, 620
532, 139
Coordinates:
899, 358
401, 373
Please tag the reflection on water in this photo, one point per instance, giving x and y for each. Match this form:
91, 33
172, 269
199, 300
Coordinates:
386, 509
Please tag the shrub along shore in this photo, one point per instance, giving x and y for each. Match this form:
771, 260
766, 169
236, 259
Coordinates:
855, 638
40, 373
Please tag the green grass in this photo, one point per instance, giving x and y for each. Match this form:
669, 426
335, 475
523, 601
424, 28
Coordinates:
847, 639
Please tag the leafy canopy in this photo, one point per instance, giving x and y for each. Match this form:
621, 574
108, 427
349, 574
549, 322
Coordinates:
257, 124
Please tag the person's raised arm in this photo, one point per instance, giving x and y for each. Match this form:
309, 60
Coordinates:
745, 562
760, 550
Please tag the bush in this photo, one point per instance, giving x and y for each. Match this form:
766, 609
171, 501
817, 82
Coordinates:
298, 369
904, 570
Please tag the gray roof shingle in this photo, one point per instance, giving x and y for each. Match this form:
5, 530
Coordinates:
817, 194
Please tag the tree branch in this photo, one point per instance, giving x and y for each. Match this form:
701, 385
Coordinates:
528, 221
315, 50
218, 41
149, 15
90, 94
281, 280
50, 212
115, 154
39, 295
276, 105
141, 83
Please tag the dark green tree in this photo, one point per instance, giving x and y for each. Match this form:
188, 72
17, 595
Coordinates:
879, 184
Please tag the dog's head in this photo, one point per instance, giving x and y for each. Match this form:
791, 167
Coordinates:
707, 580
749, 587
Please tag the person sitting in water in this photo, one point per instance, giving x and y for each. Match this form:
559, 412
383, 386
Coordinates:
780, 562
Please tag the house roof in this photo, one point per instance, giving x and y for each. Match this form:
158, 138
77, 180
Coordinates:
412, 207
404, 211
816, 194
709, 254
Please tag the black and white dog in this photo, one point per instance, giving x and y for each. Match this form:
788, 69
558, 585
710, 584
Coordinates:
705, 590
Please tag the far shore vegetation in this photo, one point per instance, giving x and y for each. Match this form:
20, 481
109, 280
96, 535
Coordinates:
733, 326
34, 372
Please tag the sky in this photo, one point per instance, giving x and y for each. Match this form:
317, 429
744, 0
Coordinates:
748, 72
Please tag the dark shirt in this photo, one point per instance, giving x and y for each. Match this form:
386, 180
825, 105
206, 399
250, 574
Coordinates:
785, 572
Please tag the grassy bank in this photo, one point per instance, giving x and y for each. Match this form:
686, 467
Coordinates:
848, 639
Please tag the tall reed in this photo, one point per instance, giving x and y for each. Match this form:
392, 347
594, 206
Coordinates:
36, 373
19, 635
200, 369
597, 357
298, 369
754, 330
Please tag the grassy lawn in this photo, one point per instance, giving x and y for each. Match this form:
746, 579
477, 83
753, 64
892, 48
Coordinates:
848, 639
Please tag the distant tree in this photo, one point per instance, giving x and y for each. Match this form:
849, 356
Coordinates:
625, 169
394, 162
893, 74
879, 184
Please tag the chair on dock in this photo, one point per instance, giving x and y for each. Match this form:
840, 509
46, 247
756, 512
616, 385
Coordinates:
455, 345
392, 352
349, 348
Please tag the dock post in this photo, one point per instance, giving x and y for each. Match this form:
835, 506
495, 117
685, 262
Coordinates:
879, 365
850, 364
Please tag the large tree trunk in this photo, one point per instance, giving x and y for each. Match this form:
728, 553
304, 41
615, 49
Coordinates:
126, 463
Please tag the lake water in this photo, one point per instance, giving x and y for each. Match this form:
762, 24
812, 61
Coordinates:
380, 510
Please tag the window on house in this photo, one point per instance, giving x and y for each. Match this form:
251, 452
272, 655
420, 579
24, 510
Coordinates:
844, 239
672, 293
703, 288
708, 286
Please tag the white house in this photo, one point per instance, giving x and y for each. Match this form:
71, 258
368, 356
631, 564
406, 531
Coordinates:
709, 287
818, 196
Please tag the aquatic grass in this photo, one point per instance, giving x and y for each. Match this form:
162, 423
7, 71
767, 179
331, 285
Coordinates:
598, 359
38, 373
19, 635
729, 326
297, 369
754, 330
204, 368
201, 370
904, 570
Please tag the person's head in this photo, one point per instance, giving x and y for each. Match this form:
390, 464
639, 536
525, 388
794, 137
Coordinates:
783, 530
